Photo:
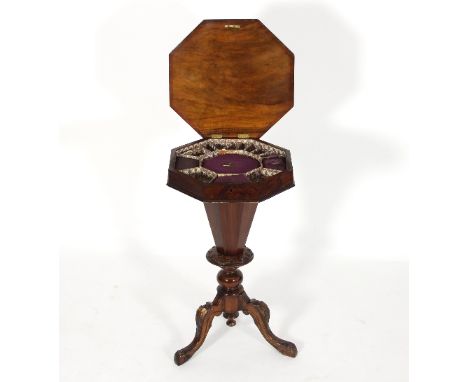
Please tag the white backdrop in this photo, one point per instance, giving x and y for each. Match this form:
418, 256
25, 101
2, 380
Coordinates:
377, 137
381, 94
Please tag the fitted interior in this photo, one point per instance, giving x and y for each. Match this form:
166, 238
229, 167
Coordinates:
230, 160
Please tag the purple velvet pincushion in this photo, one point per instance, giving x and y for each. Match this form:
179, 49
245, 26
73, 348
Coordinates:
235, 164
231, 164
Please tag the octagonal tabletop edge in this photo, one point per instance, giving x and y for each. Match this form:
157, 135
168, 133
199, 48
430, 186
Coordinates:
231, 78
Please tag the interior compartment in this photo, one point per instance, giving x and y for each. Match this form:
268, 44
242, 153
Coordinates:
230, 160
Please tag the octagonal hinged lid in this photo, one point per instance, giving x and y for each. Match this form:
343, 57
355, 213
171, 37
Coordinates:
231, 78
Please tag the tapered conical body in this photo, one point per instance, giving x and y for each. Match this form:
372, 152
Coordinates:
230, 224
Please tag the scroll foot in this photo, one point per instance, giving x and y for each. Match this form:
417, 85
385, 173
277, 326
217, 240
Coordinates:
203, 319
261, 316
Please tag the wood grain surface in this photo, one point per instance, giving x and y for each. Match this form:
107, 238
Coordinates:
231, 78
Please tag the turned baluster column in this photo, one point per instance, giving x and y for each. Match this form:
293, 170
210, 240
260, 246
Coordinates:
230, 287
230, 224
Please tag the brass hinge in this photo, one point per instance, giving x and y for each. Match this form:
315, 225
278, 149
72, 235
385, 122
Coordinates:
218, 136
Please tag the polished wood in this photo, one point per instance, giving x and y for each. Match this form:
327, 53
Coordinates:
230, 224
231, 77
229, 301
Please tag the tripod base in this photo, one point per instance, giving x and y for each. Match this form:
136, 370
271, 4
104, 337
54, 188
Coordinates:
230, 300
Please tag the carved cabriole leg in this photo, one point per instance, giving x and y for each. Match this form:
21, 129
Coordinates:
261, 316
230, 299
227, 301
203, 320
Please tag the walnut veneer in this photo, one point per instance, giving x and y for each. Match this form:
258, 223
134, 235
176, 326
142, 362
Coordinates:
231, 80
